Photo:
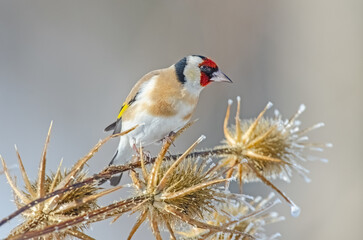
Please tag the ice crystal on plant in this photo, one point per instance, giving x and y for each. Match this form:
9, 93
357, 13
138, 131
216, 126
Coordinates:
267, 148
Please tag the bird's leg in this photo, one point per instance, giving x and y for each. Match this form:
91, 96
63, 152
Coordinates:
136, 149
168, 139
147, 154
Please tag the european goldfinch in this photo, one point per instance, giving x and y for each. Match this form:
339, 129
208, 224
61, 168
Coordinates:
161, 103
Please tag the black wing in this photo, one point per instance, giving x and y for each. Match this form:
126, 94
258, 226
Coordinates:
115, 126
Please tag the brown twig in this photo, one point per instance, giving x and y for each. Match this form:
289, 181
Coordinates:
120, 207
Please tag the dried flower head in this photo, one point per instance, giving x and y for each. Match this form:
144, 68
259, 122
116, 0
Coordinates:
267, 148
178, 193
56, 209
248, 217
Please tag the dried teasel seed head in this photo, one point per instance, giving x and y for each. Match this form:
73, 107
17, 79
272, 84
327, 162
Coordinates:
267, 148
178, 193
249, 217
56, 209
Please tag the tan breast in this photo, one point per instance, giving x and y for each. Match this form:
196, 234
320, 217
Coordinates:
165, 98
169, 96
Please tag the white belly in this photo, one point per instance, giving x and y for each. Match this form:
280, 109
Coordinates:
153, 128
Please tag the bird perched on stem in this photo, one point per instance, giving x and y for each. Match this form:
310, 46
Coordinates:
162, 102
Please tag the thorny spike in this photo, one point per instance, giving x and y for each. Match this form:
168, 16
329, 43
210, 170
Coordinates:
238, 121
296, 115
186, 191
56, 176
176, 163
83, 200
240, 171
214, 168
268, 183
56, 198
202, 225
79, 164
261, 137
41, 176
97, 214
115, 219
219, 166
155, 229
143, 168
227, 133
25, 175
135, 179
79, 235
245, 217
139, 221
16, 200
154, 172
171, 231
228, 176
13, 186
254, 155
246, 136
315, 126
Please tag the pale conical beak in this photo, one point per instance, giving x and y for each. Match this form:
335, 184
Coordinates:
219, 76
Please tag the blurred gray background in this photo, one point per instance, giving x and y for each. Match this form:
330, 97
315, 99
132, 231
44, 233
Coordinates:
74, 62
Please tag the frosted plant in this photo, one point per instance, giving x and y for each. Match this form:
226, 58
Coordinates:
266, 148
248, 217
58, 208
185, 194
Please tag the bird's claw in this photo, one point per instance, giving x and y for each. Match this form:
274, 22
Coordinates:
168, 138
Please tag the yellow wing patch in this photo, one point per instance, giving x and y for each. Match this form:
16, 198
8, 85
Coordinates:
123, 109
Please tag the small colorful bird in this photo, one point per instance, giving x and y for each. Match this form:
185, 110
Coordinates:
161, 103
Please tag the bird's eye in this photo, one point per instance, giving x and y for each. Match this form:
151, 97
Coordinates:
206, 69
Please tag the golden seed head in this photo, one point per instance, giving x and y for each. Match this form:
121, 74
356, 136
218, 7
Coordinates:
55, 209
178, 193
247, 217
197, 200
270, 146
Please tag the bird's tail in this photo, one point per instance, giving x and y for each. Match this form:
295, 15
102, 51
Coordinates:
115, 180
113, 158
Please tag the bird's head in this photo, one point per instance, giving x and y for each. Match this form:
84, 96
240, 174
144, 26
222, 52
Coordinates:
195, 72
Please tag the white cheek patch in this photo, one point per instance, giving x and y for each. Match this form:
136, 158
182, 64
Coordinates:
192, 74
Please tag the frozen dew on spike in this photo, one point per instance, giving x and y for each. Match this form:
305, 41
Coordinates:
306, 178
274, 214
303, 138
318, 125
297, 122
295, 210
329, 145
275, 236
259, 198
276, 113
271, 195
201, 138
230, 101
249, 217
301, 108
